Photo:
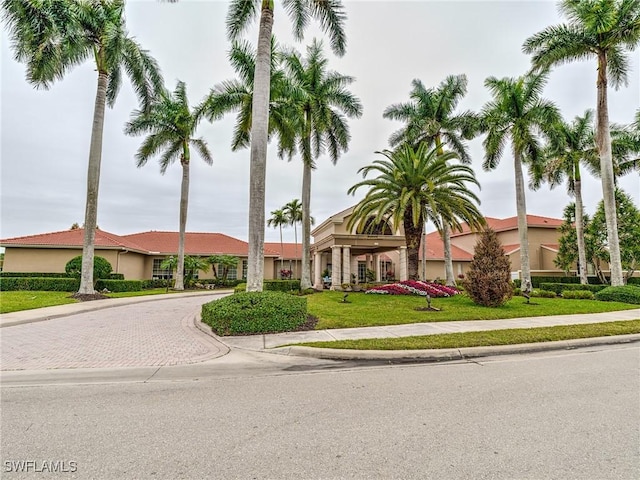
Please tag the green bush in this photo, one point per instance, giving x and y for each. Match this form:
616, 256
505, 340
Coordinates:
281, 285
241, 287
255, 312
119, 285
116, 276
633, 281
559, 288
543, 293
537, 281
101, 267
581, 294
625, 294
36, 274
307, 291
156, 283
43, 284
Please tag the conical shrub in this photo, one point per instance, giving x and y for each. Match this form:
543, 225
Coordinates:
488, 281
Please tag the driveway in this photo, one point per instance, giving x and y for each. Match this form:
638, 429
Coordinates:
152, 333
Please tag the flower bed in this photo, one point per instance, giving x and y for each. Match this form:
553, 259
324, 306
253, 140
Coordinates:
414, 287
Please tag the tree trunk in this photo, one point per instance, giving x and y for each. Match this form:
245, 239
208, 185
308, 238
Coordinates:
521, 208
412, 235
184, 203
582, 256
448, 262
259, 140
305, 280
603, 141
281, 252
93, 181
295, 260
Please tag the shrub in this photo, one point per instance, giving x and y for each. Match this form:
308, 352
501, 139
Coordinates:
281, 285
101, 267
36, 274
560, 288
625, 294
255, 312
581, 294
241, 287
156, 283
307, 291
116, 276
543, 293
633, 281
488, 280
414, 287
119, 285
39, 283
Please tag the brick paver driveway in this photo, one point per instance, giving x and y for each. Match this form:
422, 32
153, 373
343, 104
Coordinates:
158, 333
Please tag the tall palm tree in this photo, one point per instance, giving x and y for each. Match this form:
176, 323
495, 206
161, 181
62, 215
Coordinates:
517, 113
413, 186
241, 13
430, 117
278, 220
322, 102
605, 30
53, 36
573, 144
171, 126
293, 213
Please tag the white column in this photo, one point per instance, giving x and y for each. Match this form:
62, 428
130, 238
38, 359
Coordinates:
354, 267
346, 264
336, 273
376, 268
317, 270
403, 264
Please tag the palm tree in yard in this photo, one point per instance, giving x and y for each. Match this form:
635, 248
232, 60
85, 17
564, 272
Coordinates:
53, 36
241, 13
518, 113
415, 185
293, 213
430, 118
278, 220
322, 104
604, 30
171, 126
573, 145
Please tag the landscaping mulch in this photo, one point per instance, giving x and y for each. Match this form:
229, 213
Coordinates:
87, 297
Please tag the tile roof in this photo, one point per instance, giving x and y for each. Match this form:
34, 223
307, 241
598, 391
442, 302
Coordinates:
511, 248
292, 251
435, 250
74, 238
511, 223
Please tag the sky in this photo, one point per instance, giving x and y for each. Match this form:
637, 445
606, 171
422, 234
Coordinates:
46, 133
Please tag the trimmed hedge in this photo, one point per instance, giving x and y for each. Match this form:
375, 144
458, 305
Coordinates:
537, 281
36, 274
559, 288
119, 285
281, 285
116, 276
241, 287
578, 294
39, 283
255, 312
625, 294
543, 293
633, 281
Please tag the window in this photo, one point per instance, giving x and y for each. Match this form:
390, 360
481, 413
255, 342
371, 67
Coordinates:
158, 273
244, 269
362, 272
232, 273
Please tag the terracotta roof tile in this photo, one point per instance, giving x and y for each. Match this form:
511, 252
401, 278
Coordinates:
511, 223
435, 250
73, 238
292, 251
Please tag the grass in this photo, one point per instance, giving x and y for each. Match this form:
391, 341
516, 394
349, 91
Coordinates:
482, 339
375, 310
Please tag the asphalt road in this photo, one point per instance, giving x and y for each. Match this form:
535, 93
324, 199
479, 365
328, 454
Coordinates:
567, 415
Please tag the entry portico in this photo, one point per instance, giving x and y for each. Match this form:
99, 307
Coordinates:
348, 254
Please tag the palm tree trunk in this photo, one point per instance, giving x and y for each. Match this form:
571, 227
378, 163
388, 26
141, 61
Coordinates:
305, 280
295, 239
582, 256
259, 140
184, 204
412, 235
93, 181
281, 252
521, 208
603, 141
448, 262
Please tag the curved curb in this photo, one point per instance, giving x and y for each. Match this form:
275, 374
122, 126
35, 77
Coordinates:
448, 354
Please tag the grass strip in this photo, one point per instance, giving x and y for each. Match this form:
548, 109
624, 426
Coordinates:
27, 299
510, 336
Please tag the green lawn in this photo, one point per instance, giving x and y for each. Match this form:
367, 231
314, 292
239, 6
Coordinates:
493, 337
372, 310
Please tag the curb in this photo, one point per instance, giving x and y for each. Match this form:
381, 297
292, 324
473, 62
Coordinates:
92, 306
440, 355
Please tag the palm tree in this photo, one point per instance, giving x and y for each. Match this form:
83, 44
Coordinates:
241, 13
293, 213
413, 186
517, 113
321, 101
574, 144
605, 30
53, 36
429, 117
277, 220
171, 126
